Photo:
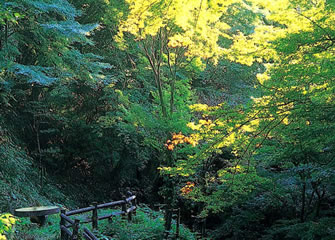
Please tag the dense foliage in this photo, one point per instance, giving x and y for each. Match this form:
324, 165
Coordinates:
221, 107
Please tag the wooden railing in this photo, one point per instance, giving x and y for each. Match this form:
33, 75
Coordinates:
171, 213
70, 227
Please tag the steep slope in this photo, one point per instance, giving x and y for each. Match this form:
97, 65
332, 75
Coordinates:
19, 179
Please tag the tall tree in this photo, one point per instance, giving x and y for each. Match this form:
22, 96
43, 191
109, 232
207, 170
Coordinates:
289, 129
173, 33
40, 45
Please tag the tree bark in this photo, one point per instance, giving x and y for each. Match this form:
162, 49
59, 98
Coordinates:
155, 66
303, 200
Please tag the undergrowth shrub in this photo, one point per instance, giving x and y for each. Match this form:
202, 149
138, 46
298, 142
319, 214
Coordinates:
7, 221
147, 224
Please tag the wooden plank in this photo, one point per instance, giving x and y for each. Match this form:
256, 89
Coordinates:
66, 230
78, 211
117, 213
111, 204
130, 198
104, 205
68, 225
86, 236
66, 218
86, 220
131, 209
105, 217
90, 234
113, 214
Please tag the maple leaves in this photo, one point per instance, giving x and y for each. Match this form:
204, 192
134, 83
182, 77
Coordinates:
180, 139
188, 188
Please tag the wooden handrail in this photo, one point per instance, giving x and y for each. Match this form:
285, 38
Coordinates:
130, 198
66, 230
111, 215
110, 204
66, 218
79, 211
88, 235
131, 209
100, 206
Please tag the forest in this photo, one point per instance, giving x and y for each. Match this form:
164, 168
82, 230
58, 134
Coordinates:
221, 109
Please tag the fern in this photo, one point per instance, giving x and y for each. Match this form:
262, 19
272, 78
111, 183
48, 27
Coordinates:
61, 7
34, 74
73, 30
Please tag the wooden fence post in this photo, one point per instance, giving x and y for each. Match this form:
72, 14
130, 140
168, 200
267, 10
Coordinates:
168, 221
62, 222
130, 217
75, 230
133, 203
203, 227
124, 209
95, 216
198, 236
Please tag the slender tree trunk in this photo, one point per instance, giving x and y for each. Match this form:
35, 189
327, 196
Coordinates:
6, 33
1, 36
303, 200
37, 129
160, 92
173, 82
159, 62
155, 66
6, 38
173, 73
318, 204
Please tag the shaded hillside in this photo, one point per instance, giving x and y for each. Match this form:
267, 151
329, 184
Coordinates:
19, 179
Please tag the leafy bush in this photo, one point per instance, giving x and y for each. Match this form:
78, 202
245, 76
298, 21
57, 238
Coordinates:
311, 230
7, 222
147, 224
